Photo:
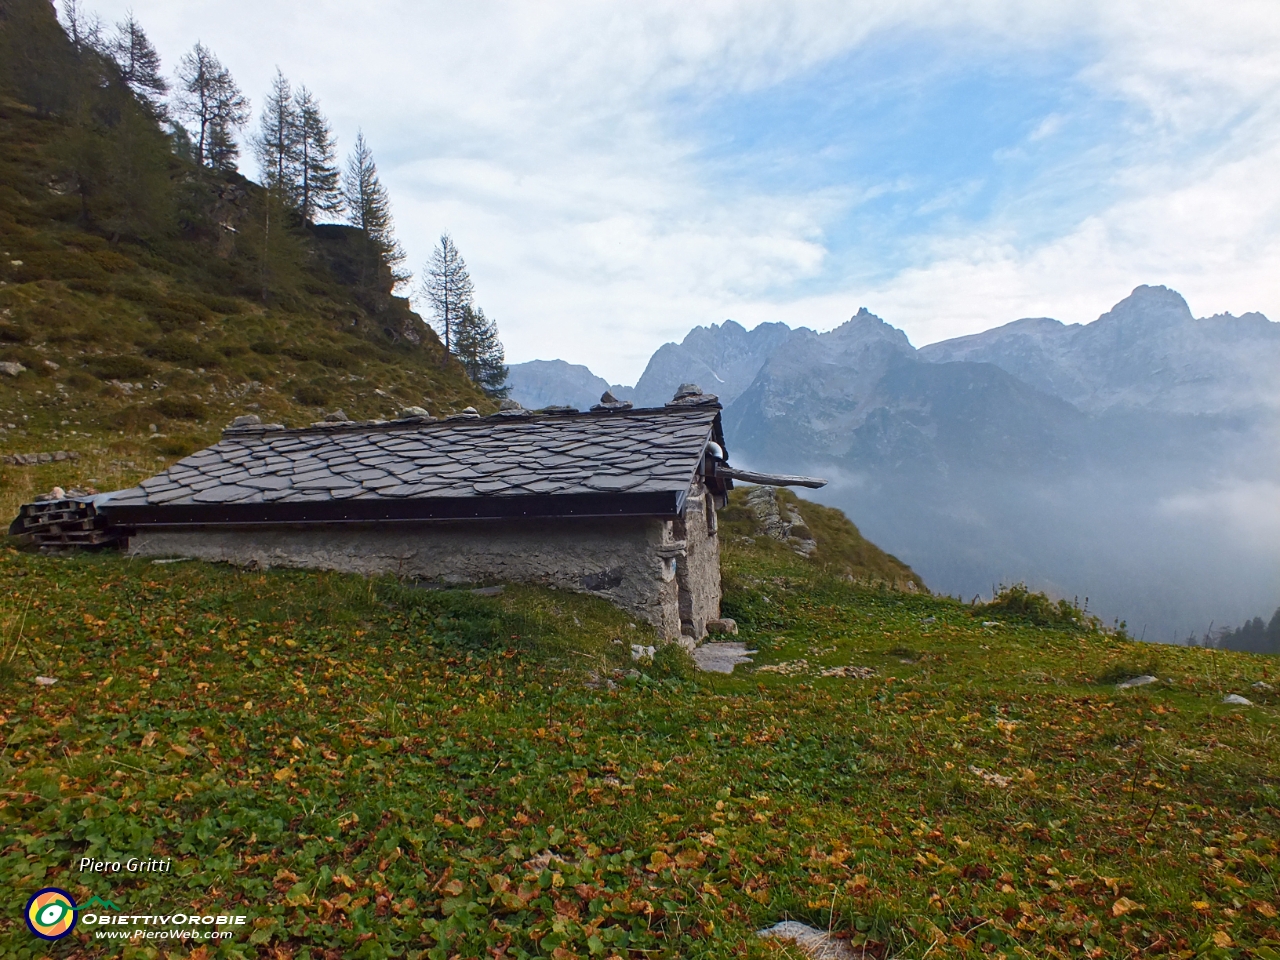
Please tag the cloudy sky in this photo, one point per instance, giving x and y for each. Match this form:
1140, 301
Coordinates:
616, 173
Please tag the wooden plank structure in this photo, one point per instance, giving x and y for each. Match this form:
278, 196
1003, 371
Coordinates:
63, 523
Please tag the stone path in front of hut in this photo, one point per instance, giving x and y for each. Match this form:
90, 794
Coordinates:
721, 656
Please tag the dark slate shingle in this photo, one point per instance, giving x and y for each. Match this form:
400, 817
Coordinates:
634, 451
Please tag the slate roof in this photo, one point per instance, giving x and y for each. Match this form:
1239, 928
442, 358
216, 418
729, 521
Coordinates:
634, 462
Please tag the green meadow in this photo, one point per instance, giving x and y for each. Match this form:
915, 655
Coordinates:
370, 769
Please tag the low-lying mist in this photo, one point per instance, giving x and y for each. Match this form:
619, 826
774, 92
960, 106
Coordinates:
1170, 555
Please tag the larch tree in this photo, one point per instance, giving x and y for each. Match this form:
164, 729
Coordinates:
209, 98
84, 29
447, 287
318, 188
478, 349
277, 144
369, 209
107, 149
139, 63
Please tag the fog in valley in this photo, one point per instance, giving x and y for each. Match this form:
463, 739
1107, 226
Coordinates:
1132, 461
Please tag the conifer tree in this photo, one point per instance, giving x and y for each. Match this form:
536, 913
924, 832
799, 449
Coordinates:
84, 29
139, 63
209, 98
447, 287
294, 146
317, 174
369, 209
277, 142
37, 63
478, 349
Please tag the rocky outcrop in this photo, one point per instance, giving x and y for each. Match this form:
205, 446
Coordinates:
781, 521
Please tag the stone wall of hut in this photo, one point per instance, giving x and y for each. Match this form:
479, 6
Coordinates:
666, 573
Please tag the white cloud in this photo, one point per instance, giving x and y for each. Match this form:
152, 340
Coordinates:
1047, 127
1215, 239
536, 135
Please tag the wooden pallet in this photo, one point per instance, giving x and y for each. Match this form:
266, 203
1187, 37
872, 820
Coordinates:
63, 523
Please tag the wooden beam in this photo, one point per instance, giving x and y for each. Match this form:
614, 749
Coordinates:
769, 479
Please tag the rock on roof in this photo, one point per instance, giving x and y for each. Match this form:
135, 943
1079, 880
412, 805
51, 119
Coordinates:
568, 457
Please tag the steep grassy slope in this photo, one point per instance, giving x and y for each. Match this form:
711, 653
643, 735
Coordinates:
369, 769
842, 552
149, 300
117, 338
187, 313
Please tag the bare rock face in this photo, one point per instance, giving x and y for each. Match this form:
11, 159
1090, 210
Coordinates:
723, 358
781, 522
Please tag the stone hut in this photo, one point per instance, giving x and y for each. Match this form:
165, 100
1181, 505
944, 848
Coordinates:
616, 502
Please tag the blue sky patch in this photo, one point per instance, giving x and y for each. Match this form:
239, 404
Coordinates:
915, 140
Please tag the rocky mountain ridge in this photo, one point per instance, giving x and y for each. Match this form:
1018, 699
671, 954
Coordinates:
555, 383
1146, 352
1118, 459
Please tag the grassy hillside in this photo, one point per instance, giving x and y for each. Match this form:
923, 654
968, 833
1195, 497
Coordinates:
149, 299
368, 769
842, 552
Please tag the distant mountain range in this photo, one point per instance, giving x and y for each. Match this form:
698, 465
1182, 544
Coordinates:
1147, 353
555, 383
1133, 460
721, 359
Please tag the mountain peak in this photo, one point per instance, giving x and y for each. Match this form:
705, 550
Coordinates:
866, 326
1149, 306
731, 326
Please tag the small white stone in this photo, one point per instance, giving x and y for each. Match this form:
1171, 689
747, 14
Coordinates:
1141, 681
46, 681
813, 943
1236, 700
